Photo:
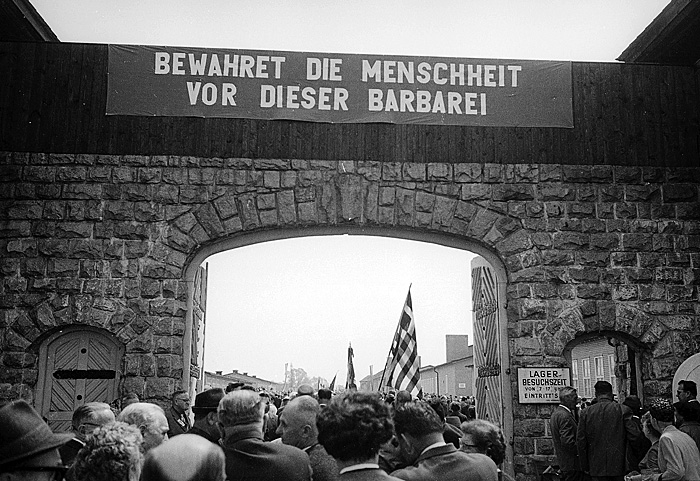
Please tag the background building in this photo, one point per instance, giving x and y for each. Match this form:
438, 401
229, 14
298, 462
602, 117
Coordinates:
454, 377
606, 358
219, 379
371, 382
591, 362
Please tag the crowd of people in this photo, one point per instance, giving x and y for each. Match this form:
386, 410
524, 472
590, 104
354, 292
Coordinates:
244, 434
611, 441
241, 433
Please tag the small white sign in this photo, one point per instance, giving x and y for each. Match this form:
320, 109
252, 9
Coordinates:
541, 384
462, 385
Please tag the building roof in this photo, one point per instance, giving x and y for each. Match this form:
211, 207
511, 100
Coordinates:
672, 38
239, 376
20, 22
448, 363
372, 376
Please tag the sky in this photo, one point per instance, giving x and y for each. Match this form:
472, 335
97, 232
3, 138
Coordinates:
305, 300
582, 30
331, 291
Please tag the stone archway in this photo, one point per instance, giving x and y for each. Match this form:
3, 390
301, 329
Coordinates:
488, 258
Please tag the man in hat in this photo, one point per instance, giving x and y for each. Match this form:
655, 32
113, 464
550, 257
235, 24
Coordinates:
205, 417
28, 448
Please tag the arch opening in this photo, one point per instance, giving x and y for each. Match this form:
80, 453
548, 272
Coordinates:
261, 238
612, 356
391, 233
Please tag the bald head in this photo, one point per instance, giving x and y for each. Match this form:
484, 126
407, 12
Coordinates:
305, 390
297, 425
305, 406
183, 458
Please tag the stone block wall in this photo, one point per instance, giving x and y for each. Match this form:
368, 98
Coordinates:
104, 240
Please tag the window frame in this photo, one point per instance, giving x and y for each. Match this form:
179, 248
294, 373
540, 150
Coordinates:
599, 368
574, 374
612, 378
586, 367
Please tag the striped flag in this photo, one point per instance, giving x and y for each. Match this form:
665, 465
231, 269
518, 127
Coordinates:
402, 371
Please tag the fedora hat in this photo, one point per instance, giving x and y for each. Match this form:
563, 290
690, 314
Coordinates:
23, 434
207, 401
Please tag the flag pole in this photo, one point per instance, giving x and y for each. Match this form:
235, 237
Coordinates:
350, 380
386, 364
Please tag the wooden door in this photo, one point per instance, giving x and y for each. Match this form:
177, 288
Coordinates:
77, 365
487, 343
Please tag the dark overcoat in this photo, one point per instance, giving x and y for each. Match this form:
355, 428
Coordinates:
603, 432
563, 427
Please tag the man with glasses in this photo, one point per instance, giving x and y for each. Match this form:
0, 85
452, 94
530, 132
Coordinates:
28, 448
86, 419
178, 414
